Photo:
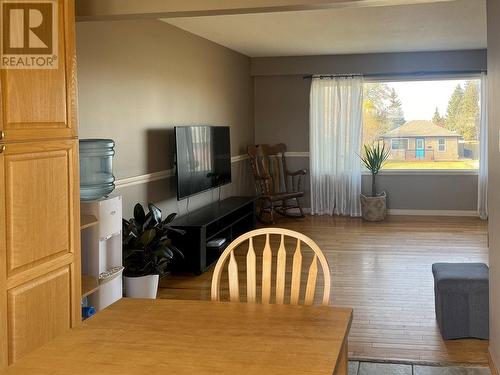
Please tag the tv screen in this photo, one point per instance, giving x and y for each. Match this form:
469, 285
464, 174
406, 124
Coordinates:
202, 157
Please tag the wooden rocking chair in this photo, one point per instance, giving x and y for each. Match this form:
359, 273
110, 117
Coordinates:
276, 186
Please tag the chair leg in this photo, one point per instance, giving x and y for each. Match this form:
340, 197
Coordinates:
266, 206
282, 208
300, 207
261, 209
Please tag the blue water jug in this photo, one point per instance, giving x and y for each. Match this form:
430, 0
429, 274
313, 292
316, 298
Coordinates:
96, 168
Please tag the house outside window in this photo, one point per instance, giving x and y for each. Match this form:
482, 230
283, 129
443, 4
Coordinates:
430, 124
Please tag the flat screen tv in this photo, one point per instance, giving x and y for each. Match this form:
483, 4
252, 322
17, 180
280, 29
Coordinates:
202, 158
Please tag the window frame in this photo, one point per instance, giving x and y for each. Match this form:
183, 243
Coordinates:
400, 139
415, 77
444, 145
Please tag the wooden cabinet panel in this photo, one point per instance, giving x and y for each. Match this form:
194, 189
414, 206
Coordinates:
38, 311
39, 243
3, 272
41, 103
39, 191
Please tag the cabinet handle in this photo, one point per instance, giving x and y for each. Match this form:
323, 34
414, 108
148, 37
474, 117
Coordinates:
2, 148
2, 135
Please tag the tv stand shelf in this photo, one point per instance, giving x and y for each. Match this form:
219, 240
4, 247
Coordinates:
227, 219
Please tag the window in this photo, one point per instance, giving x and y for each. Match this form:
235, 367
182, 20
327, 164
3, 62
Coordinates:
430, 124
399, 144
442, 145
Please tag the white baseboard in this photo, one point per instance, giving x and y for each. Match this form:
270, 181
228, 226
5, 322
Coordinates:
403, 212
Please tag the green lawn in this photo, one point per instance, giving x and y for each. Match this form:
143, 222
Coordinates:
459, 164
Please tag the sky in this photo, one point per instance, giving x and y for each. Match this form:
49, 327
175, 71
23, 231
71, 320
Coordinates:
420, 98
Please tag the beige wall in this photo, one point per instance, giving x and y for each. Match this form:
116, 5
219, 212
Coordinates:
137, 79
281, 99
281, 93
494, 175
372, 63
412, 191
282, 111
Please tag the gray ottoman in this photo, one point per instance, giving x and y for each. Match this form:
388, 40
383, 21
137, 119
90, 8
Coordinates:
461, 299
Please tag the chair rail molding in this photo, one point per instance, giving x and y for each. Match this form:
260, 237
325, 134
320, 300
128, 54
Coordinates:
297, 154
160, 175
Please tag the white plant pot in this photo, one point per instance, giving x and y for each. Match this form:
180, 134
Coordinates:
141, 287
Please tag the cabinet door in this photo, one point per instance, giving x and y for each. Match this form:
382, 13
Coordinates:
3, 269
41, 103
41, 252
38, 311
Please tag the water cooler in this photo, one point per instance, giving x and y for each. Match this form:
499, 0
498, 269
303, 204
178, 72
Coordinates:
102, 250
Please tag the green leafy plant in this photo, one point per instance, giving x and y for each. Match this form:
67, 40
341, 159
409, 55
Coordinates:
147, 248
374, 159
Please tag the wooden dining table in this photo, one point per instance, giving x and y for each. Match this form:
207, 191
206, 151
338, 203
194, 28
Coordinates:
136, 336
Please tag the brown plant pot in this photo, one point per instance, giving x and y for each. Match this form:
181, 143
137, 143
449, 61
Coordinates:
374, 208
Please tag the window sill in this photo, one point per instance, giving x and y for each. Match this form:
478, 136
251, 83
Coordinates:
425, 172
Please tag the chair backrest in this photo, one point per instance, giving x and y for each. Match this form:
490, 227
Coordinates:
251, 269
269, 168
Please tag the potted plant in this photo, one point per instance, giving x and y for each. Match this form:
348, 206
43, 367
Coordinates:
374, 207
148, 252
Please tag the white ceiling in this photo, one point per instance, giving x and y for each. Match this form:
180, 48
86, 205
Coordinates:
459, 24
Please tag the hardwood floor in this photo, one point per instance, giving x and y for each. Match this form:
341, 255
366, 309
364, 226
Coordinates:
383, 271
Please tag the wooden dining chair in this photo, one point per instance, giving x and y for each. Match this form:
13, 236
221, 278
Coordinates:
251, 269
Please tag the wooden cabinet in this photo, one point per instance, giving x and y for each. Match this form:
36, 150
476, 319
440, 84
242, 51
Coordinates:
41, 103
40, 227
40, 286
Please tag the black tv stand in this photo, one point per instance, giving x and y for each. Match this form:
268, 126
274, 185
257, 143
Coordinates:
227, 219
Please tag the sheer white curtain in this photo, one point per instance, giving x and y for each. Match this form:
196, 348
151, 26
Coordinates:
335, 140
482, 201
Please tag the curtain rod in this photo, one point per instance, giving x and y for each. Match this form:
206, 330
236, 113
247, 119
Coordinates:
321, 76
395, 75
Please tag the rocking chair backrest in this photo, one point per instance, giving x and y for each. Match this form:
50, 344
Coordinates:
269, 168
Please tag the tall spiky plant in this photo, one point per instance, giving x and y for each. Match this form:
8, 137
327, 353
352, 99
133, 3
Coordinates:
374, 159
